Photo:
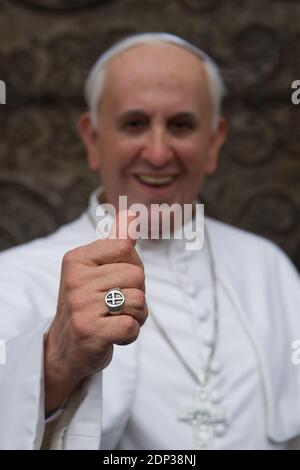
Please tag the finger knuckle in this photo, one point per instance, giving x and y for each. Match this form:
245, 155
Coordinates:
124, 247
145, 311
130, 327
139, 276
69, 257
139, 298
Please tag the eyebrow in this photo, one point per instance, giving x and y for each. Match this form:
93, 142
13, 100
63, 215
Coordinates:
186, 115
133, 113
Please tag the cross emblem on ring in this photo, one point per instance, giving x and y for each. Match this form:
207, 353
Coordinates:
114, 300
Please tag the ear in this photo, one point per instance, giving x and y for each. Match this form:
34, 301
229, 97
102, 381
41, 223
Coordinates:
217, 140
89, 137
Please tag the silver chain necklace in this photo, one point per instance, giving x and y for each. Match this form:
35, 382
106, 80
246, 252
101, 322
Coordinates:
202, 381
202, 415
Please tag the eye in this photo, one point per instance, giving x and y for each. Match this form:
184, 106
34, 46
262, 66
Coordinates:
181, 126
135, 125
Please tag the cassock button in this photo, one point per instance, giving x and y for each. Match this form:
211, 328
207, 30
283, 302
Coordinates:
220, 429
215, 367
192, 289
215, 397
208, 341
203, 313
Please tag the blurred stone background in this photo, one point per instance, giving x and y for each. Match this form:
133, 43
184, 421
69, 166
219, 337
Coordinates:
46, 49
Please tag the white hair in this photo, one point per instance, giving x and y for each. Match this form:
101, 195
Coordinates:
95, 79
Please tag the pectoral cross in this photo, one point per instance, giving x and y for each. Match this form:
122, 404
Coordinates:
203, 416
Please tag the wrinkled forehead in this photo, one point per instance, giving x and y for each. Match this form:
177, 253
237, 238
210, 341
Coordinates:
163, 64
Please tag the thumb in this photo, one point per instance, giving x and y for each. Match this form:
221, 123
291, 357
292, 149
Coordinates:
121, 225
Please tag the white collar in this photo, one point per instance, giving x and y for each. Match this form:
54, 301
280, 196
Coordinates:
174, 245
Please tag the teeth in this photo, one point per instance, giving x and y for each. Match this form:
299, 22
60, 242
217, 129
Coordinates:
156, 180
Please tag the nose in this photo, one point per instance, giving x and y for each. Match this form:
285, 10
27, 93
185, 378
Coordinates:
157, 149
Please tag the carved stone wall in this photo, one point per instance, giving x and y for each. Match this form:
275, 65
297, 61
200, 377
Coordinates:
46, 49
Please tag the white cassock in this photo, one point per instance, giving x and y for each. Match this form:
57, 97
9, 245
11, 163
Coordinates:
135, 402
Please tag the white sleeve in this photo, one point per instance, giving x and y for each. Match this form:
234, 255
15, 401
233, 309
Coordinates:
22, 390
26, 312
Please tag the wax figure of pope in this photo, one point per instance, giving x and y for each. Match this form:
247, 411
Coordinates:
201, 353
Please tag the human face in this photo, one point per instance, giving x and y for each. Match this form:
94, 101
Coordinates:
154, 141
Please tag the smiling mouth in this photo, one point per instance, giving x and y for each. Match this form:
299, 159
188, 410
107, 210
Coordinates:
156, 180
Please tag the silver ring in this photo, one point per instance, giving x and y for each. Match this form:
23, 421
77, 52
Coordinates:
114, 300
